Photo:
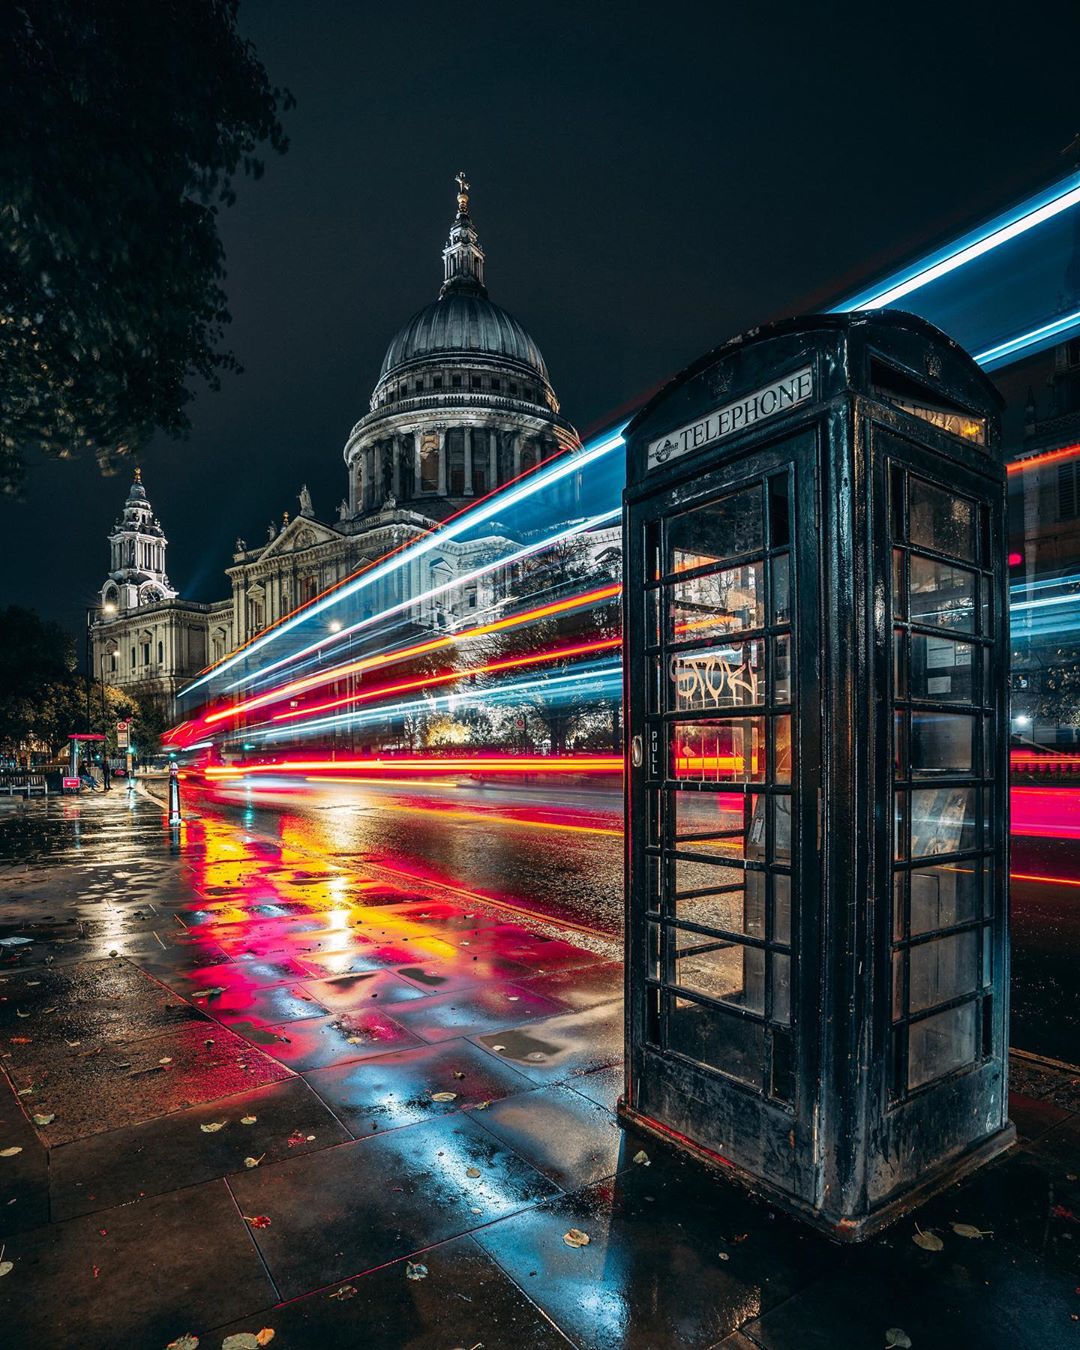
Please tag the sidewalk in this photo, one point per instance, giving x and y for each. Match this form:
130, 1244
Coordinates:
252, 1089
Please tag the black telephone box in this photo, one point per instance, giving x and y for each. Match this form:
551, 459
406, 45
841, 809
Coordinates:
816, 649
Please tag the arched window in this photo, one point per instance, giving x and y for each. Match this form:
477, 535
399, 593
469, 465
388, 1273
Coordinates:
160, 652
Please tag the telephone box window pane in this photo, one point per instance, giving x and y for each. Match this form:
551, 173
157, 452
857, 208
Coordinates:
652, 618
717, 604
718, 530
943, 896
712, 822
726, 971
898, 911
729, 750
780, 966
755, 904
734, 1045
652, 950
900, 684
940, 520
900, 816
781, 669
898, 598
712, 678
694, 877
732, 912
781, 911
781, 840
782, 748
943, 969
781, 589
941, 743
939, 1044
943, 820
942, 669
779, 512
942, 596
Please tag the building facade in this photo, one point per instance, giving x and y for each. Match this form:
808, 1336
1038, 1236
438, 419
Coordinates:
462, 406
146, 638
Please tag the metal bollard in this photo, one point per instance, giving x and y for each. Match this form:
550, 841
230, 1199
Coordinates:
174, 795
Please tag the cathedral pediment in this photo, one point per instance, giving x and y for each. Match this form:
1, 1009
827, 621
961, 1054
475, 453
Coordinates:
302, 532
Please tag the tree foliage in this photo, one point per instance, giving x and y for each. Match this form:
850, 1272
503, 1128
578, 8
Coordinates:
125, 124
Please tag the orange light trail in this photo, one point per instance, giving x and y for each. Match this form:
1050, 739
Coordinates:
450, 676
1037, 461
474, 817
403, 653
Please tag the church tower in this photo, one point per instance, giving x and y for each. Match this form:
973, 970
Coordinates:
137, 576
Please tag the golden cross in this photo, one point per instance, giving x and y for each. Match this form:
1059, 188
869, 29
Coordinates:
463, 186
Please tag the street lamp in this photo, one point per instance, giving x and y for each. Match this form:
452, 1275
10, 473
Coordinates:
108, 609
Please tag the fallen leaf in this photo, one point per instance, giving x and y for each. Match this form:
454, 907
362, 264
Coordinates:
248, 1120
458, 1073
472, 1171
165, 1059
257, 1221
44, 1119
21, 1014
240, 1340
213, 1126
265, 1336
298, 1137
186, 1342
10, 1152
354, 1040
536, 1055
415, 1270
968, 1230
895, 1337
22, 1040
642, 1158
25, 1092
498, 1047
72, 1044
210, 993
483, 1106
346, 1291
6, 1267
254, 1162
576, 1238
444, 1096
929, 1242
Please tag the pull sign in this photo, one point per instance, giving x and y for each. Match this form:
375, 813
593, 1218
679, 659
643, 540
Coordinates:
654, 753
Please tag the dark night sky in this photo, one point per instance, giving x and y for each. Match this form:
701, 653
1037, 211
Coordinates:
647, 180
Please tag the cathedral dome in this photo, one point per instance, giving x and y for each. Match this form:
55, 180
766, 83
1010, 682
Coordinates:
463, 322
463, 403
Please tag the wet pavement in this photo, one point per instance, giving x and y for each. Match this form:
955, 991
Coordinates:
253, 1086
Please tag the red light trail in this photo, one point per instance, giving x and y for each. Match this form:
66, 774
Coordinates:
333, 673
427, 764
450, 676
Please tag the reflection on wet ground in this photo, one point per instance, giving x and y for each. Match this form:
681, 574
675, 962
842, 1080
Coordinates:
252, 1082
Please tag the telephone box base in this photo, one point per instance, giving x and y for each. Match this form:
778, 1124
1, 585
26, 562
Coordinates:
840, 1229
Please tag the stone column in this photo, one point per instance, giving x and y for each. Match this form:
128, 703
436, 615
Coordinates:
493, 460
442, 463
470, 434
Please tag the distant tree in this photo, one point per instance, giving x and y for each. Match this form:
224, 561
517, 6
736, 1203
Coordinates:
42, 697
124, 124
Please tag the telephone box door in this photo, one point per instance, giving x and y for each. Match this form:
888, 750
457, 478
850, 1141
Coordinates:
724, 719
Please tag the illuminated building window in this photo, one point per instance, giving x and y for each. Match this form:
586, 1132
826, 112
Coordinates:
1067, 491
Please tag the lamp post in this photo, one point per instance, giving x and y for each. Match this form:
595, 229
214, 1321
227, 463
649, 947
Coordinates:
108, 609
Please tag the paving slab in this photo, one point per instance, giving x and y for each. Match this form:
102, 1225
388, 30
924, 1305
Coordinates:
338, 1038
400, 1088
464, 1300
388, 1196
105, 1090
674, 1258
473, 1011
568, 1138
164, 1154
557, 1049
139, 1276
